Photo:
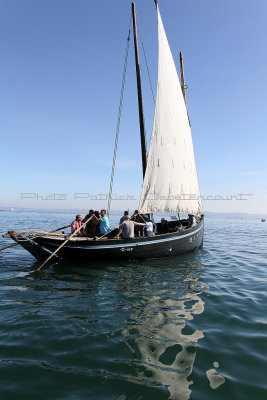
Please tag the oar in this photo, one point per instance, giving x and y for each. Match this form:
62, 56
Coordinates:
141, 217
7, 247
74, 233
100, 237
59, 229
55, 230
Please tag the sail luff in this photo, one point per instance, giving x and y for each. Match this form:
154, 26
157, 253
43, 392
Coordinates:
170, 182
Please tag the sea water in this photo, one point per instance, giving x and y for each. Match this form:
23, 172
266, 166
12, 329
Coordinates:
187, 327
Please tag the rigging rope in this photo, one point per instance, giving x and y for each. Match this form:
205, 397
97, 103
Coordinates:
118, 123
143, 47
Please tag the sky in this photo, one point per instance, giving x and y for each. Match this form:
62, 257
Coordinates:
60, 80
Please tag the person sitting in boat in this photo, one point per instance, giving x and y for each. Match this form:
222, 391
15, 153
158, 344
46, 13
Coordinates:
149, 228
103, 223
163, 227
76, 224
191, 222
126, 213
90, 227
127, 228
136, 217
97, 228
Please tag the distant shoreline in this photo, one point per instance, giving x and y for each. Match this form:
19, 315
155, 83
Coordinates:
208, 214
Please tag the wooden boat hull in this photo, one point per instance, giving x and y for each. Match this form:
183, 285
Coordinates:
166, 245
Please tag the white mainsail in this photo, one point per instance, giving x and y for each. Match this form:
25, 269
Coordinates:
171, 181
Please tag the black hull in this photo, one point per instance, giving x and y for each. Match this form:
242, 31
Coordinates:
84, 249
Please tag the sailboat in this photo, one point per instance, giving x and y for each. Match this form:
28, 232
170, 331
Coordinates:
170, 180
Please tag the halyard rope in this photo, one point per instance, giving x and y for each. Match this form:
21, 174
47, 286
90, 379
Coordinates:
143, 47
118, 123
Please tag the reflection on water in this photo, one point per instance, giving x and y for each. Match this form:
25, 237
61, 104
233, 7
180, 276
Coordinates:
215, 379
163, 353
129, 331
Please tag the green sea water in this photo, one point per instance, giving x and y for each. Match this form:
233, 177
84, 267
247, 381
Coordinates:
188, 327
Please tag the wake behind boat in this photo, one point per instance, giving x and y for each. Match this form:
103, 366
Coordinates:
170, 181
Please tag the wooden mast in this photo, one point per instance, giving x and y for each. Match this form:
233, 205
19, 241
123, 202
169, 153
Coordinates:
183, 85
139, 91
182, 76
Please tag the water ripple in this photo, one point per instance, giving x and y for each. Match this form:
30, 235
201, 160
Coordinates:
181, 328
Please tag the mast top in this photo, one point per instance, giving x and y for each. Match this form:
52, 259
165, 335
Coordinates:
156, 3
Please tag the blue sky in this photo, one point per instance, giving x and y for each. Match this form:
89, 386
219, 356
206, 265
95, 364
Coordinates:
60, 77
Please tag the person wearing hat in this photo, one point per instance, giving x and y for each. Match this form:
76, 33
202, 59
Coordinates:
76, 224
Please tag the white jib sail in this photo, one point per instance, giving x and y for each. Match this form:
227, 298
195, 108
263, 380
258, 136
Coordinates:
171, 181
